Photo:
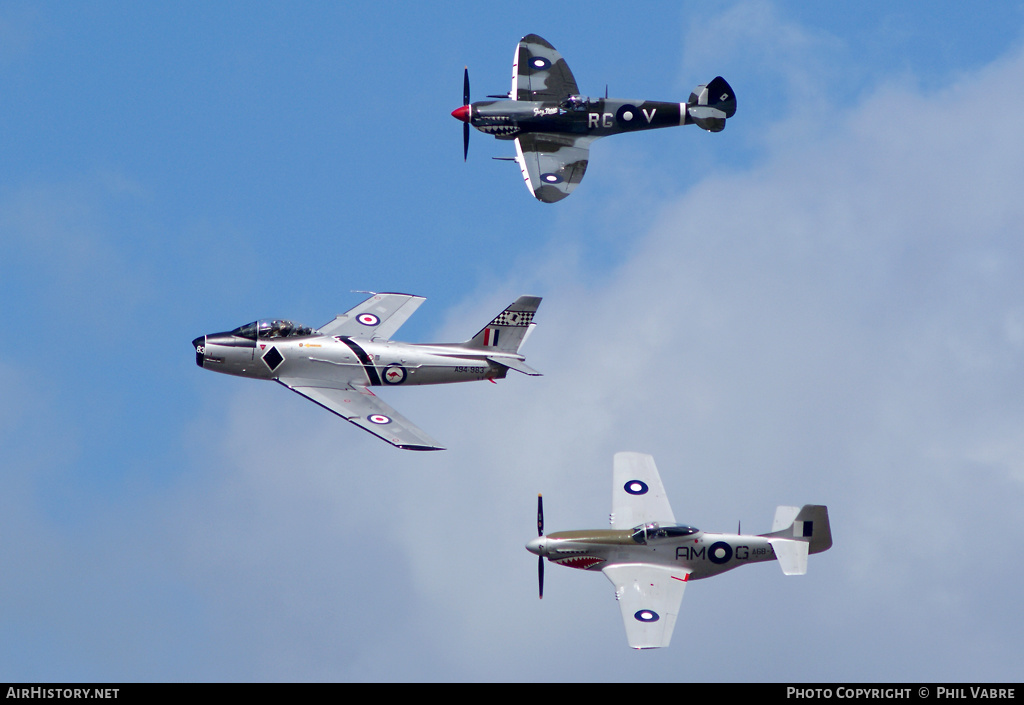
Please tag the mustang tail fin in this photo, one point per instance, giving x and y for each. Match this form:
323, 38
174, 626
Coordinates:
797, 532
509, 328
710, 105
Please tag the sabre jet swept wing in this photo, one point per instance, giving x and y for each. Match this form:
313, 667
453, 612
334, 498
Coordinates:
649, 558
553, 125
337, 364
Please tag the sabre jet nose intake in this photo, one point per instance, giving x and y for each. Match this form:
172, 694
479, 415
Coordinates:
462, 113
199, 345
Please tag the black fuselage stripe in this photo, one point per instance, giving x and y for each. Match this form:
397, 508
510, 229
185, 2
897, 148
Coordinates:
371, 371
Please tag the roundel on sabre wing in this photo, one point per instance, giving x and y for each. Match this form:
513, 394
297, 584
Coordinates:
553, 126
336, 365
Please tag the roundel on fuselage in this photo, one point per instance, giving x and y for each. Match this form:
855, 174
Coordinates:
627, 116
720, 552
393, 374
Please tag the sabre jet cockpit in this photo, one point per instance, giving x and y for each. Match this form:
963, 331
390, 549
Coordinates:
655, 531
272, 328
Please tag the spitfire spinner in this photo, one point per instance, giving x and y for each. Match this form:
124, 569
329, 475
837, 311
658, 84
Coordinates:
649, 558
336, 365
553, 125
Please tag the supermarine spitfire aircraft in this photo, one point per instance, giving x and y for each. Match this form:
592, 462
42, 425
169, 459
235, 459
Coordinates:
336, 365
553, 125
649, 558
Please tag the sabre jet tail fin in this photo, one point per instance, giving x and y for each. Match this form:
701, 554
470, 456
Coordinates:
797, 532
710, 105
509, 328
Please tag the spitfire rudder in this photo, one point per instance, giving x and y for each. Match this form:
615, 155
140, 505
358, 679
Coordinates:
710, 105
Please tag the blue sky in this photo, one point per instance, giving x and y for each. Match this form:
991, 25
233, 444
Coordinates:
820, 304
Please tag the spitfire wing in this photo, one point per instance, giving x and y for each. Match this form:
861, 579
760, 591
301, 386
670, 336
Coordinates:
539, 72
366, 410
649, 597
638, 497
552, 164
379, 316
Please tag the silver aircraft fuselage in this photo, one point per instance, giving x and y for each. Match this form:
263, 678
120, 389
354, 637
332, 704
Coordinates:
343, 359
703, 554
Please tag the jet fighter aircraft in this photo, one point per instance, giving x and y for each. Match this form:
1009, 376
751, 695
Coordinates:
336, 365
649, 558
553, 125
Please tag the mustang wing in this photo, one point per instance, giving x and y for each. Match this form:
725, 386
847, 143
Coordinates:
366, 410
649, 597
539, 72
379, 316
638, 497
552, 164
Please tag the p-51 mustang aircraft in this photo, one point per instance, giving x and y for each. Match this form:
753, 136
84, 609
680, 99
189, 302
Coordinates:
336, 365
553, 125
649, 558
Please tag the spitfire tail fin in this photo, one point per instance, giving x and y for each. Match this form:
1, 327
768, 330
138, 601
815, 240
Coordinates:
711, 104
509, 328
797, 532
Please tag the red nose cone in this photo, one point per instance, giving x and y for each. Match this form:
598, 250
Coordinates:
461, 113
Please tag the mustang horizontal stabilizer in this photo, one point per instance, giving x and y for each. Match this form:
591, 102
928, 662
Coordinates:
792, 555
379, 316
367, 411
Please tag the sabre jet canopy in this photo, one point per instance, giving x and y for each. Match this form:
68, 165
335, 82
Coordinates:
271, 328
649, 558
336, 365
553, 125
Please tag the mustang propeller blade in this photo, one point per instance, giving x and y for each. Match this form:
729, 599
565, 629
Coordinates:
540, 532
